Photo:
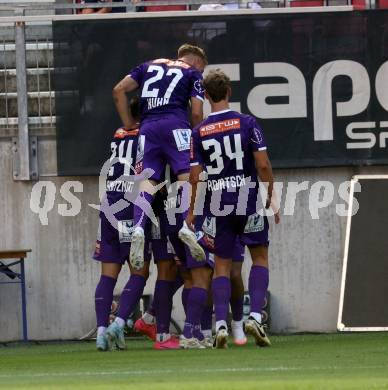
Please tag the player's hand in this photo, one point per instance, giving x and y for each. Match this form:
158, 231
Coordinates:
190, 221
268, 202
277, 218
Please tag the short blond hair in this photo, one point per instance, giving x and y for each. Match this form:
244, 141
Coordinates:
186, 49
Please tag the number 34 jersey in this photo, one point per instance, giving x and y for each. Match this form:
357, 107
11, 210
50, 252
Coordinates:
166, 87
224, 144
121, 174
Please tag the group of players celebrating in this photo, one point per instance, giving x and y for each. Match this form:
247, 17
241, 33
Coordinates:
215, 165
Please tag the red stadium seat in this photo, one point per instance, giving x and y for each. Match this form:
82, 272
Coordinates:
165, 7
359, 4
382, 4
307, 3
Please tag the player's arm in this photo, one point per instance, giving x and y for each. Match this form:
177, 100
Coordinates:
127, 84
264, 171
196, 111
196, 168
195, 174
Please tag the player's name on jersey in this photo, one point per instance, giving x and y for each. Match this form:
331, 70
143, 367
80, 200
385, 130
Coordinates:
157, 102
226, 182
172, 203
120, 185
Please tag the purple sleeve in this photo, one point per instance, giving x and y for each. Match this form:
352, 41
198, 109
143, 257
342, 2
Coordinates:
195, 148
256, 136
137, 73
197, 90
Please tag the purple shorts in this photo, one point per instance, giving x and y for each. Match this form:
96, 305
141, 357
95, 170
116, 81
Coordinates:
229, 234
207, 240
114, 242
164, 141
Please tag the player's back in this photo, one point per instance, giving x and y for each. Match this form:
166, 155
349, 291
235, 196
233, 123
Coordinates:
224, 144
122, 161
166, 87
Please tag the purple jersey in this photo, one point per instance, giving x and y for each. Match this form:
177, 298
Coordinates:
224, 144
122, 161
166, 87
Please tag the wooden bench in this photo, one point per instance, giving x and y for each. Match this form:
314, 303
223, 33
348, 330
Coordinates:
5, 268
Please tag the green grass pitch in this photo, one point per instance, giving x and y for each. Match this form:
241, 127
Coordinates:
338, 361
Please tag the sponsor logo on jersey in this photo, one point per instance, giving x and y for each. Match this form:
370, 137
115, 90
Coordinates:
182, 139
255, 223
226, 182
220, 127
209, 226
122, 133
125, 229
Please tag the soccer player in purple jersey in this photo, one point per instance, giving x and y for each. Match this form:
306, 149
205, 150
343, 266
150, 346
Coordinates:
167, 87
114, 238
230, 148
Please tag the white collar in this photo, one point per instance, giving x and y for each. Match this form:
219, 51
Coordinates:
220, 112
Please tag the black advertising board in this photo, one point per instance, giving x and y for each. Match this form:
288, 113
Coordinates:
317, 82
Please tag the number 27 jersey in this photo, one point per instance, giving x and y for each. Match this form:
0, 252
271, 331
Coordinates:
166, 87
224, 144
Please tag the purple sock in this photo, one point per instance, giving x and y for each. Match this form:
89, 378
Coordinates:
141, 208
103, 299
221, 297
236, 306
131, 295
206, 319
185, 295
177, 285
195, 305
163, 305
258, 285
151, 309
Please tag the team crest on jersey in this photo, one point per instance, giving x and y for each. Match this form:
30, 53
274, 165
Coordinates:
209, 226
257, 136
198, 86
182, 139
254, 224
125, 229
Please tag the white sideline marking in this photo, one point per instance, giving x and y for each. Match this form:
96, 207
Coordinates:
187, 371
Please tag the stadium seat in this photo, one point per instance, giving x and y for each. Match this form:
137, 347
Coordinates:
307, 3
165, 7
382, 4
359, 4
